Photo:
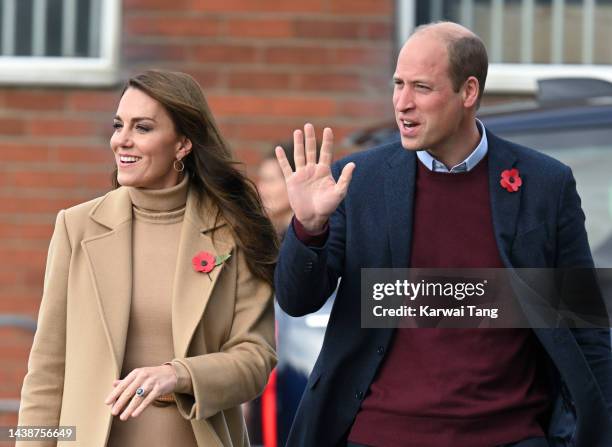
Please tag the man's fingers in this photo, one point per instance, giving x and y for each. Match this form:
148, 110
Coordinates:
283, 162
311, 144
345, 179
326, 147
298, 149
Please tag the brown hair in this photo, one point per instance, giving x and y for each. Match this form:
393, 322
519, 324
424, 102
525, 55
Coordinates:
211, 167
467, 55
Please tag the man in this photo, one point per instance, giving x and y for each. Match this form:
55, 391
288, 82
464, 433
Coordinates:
436, 201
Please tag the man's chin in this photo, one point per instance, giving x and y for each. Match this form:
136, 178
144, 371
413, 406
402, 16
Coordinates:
410, 144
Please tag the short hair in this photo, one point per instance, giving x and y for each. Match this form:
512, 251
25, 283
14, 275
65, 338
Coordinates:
467, 56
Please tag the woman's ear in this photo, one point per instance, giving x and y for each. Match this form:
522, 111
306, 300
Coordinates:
184, 148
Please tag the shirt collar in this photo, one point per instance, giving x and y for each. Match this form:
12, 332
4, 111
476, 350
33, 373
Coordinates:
466, 165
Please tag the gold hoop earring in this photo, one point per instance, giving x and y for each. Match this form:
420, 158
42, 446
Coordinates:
178, 165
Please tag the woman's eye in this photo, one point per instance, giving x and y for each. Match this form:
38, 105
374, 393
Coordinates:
117, 126
141, 128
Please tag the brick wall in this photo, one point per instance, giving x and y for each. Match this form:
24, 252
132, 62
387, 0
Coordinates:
266, 66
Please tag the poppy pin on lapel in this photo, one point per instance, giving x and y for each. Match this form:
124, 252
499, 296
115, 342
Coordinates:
205, 262
511, 180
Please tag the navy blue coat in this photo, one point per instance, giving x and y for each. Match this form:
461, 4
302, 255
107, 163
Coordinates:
541, 225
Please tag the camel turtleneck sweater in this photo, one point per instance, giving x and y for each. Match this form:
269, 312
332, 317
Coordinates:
156, 228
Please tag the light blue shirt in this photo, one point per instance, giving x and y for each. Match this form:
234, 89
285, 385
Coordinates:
466, 165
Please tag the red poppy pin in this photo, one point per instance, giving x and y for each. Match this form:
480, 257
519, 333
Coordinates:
511, 180
204, 261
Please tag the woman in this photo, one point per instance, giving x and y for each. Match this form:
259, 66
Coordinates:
273, 190
157, 321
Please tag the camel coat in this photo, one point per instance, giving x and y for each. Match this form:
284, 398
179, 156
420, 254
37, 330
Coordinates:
222, 325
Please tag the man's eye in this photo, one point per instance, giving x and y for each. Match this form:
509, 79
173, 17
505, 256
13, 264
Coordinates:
422, 87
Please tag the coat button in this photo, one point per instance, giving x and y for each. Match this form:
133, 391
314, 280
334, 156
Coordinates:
358, 395
380, 350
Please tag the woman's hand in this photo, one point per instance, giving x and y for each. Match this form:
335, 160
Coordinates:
155, 381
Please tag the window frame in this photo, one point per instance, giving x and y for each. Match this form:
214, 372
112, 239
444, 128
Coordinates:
81, 71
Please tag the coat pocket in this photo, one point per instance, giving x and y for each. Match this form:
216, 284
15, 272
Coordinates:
532, 248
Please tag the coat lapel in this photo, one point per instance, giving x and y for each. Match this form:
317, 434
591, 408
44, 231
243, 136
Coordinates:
109, 257
505, 206
192, 290
399, 201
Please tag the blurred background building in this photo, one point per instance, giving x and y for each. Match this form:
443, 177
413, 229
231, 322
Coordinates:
266, 66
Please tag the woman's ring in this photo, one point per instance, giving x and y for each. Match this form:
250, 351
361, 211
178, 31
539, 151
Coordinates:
140, 392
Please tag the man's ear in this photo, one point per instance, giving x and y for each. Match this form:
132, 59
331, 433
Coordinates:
471, 89
184, 149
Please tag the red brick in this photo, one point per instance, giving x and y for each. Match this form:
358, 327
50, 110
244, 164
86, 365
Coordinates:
302, 55
274, 6
22, 257
150, 5
26, 231
375, 109
259, 81
215, 53
45, 179
207, 79
18, 353
149, 53
365, 56
9, 277
266, 28
34, 100
19, 305
328, 29
19, 152
272, 132
254, 106
12, 126
175, 27
99, 181
249, 156
328, 82
94, 155
8, 420
93, 101
14, 335
62, 127
382, 31
34, 205
368, 7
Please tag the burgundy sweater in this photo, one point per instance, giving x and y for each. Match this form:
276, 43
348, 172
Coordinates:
454, 387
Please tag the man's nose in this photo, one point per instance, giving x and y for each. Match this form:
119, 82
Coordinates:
405, 99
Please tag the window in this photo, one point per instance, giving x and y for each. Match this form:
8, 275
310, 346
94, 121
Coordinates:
527, 39
59, 41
